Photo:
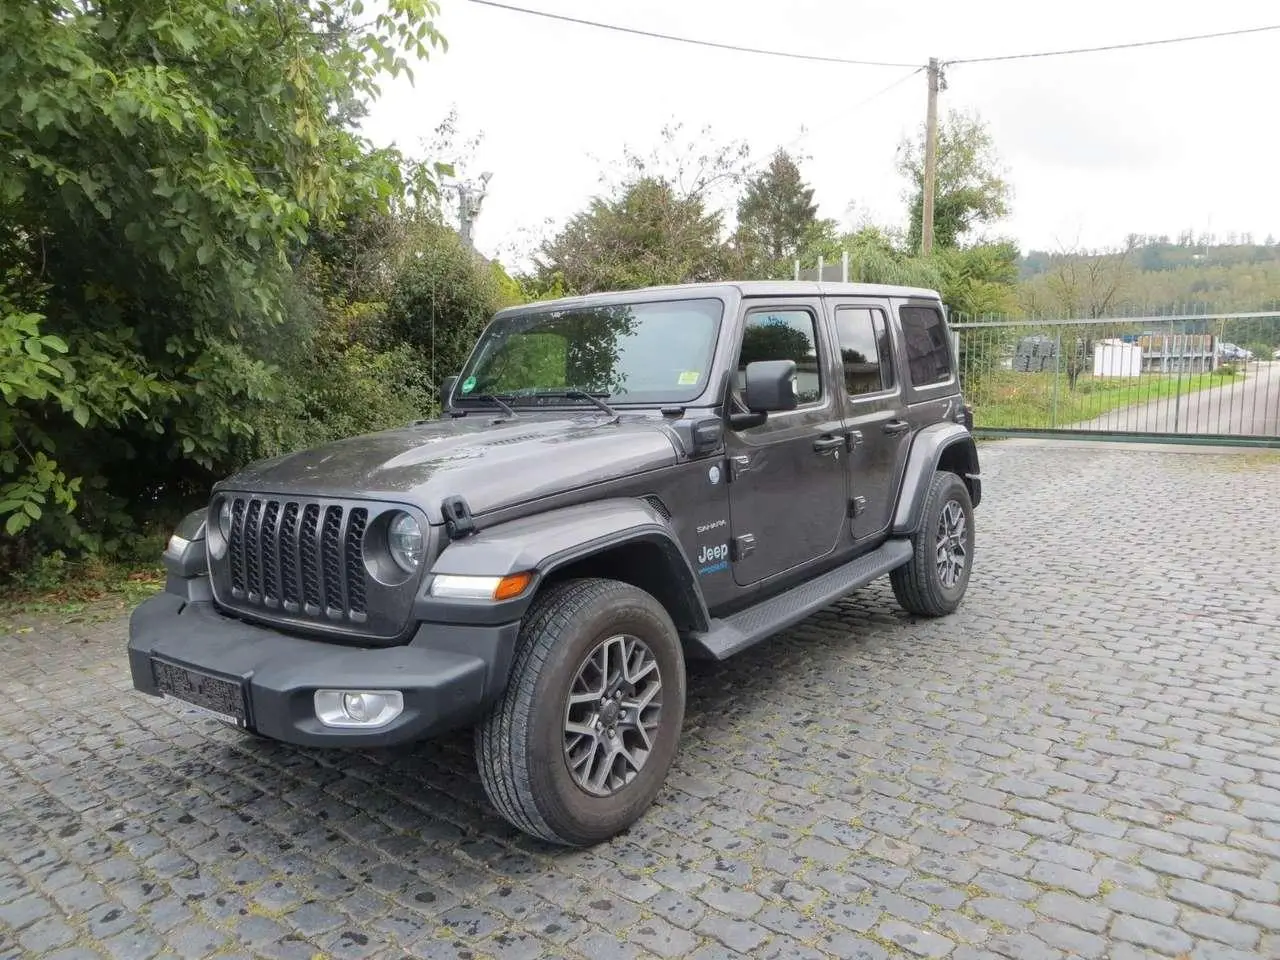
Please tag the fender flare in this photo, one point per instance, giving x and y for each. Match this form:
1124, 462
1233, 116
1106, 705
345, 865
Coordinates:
927, 451
547, 542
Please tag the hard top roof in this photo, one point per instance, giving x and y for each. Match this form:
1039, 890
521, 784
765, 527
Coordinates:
742, 288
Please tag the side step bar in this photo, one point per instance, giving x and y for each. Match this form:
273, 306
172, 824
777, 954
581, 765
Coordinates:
748, 627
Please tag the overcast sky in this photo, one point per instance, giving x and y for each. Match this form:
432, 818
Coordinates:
1154, 140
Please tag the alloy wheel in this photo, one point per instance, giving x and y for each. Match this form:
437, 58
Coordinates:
612, 711
952, 544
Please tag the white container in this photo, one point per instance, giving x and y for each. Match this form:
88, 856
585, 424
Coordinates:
1115, 358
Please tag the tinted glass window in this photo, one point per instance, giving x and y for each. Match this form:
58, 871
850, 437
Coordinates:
864, 350
925, 337
652, 352
784, 335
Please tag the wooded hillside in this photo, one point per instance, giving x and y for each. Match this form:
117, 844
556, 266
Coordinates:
1160, 276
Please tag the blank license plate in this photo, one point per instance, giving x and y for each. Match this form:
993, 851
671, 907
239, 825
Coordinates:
216, 696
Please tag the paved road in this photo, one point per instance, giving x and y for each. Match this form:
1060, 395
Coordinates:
1084, 762
1247, 406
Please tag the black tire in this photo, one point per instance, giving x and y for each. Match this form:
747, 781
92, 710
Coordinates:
919, 584
521, 742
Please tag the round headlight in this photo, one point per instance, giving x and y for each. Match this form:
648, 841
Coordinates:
404, 538
224, 519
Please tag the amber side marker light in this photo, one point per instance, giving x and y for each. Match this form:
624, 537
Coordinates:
512, 586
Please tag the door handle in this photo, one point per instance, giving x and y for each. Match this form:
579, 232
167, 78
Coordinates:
894, 427
823, 444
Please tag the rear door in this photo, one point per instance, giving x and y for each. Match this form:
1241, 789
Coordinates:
875, 411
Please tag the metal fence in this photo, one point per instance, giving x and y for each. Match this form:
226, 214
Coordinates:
1191, 378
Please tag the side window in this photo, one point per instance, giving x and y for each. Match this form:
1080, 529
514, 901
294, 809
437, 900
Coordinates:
864, 350
925, 336
784, 335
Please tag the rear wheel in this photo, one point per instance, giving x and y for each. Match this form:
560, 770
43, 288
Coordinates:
581, 742
933, 582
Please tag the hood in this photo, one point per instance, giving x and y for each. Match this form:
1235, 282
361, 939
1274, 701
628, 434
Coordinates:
490, 463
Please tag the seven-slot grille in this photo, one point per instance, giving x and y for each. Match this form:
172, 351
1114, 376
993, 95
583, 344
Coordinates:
299, 557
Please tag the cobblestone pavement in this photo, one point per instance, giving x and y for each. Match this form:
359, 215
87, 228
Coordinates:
1082, 762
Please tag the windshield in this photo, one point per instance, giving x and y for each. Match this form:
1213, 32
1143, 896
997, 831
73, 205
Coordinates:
655, 352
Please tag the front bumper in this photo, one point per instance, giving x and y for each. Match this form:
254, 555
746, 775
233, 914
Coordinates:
447, 673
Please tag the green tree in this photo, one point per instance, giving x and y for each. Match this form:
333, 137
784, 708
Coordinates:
658, 219
969, 187
442, 299
980, 280
776, 212
693, 165
162, 163
649, 234
873, 256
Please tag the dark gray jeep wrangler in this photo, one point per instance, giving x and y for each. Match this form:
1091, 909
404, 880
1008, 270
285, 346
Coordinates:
617, 482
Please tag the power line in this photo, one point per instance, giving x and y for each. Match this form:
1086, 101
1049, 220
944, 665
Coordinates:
1114, 46
700, 43
883, 90
841, 118
818, 58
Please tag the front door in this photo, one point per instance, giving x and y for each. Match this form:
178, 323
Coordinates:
788, 486
876, 414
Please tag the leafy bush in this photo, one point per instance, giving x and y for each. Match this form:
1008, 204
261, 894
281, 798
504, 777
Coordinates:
442, 299
359, 390
165, 161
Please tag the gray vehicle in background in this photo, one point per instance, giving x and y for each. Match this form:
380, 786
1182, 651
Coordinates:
617, 483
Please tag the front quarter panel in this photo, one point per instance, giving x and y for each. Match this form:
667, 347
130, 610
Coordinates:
544, 542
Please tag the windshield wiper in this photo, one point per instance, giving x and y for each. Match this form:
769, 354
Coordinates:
595, 398
496, 401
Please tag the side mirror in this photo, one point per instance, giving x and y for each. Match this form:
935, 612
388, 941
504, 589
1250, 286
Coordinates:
771, 386
446, 391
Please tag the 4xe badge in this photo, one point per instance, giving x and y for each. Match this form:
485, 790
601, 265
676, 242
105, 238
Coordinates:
713, 559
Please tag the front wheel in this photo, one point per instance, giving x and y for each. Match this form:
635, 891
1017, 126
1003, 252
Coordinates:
580, 743
933, 582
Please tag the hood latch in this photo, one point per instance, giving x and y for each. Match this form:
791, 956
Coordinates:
458, 522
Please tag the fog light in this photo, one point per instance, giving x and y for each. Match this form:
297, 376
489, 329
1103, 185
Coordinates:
357, 705
358, 708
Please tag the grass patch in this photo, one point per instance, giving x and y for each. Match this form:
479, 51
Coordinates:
68, 588
1003, 398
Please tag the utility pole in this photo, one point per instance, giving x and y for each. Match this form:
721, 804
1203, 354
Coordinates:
469, 200
465, 214
930, 161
